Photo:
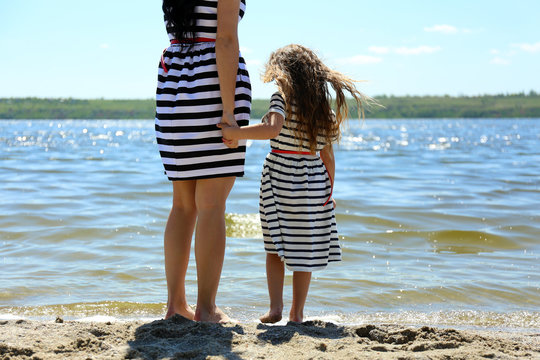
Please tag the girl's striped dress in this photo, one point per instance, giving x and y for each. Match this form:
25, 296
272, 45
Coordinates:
298, 221
188, 105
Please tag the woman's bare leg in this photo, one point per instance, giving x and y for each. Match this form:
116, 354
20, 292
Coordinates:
301, 282
210, 197
275, 272
177, 246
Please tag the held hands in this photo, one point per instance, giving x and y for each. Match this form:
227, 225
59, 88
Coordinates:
233, 144
228, 126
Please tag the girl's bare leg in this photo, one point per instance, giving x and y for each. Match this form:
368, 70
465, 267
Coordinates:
275, 272
177, 246
301, 282
210, 197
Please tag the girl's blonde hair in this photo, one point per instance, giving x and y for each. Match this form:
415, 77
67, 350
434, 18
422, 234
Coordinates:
303, 81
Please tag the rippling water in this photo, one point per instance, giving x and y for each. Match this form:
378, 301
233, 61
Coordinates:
439, 222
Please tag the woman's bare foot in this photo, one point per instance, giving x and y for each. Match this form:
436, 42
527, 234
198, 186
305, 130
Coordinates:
217, 316
296, 317
186, 312
271, 317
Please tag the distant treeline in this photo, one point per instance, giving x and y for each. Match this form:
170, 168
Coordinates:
398, 107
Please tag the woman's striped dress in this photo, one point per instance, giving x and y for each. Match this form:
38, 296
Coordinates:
188, 106
296, 223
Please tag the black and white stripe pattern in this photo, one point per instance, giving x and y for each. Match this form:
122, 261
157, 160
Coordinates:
206, 22
295, 222
286, 139
188, 106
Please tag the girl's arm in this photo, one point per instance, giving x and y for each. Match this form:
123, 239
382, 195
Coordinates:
227, 55
327, 156
263, 131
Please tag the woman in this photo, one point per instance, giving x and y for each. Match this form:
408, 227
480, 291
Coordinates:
202, 82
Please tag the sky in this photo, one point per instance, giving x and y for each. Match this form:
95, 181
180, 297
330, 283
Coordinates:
110, 48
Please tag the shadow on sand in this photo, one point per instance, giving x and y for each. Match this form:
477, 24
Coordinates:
276, 334
180, 338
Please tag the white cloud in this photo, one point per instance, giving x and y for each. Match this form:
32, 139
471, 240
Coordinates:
254, 62
404, 50
104, 46
494, 52
449, 29
359, 60
445, 29
532, 48
499, 61
245, 50
379, 49
417, 50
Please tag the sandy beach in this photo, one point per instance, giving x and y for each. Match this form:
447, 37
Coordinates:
179, 338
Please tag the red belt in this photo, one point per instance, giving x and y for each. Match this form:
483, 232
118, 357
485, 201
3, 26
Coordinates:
276, 151
184, 41
193, 40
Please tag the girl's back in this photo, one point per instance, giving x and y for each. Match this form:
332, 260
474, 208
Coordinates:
289, 138
297, 216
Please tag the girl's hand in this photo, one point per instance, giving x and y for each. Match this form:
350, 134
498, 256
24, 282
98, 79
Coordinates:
233, 144
228, 132
334, 202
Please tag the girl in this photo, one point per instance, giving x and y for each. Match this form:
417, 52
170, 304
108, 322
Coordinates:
202, 81
296, 205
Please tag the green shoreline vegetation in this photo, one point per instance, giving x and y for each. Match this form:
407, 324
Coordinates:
394, 107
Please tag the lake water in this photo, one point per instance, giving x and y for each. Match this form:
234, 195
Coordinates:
439, 222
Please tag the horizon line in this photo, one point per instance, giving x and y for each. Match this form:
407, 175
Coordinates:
522, 93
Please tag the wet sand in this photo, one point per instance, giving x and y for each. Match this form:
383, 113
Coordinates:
179, 338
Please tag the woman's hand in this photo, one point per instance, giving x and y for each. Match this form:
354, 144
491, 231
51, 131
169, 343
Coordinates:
229, 119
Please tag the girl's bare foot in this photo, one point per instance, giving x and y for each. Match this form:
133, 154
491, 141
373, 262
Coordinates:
217, 316
271, 317
186, 312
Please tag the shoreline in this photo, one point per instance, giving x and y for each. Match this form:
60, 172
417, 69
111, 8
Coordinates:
473, 319
181, 338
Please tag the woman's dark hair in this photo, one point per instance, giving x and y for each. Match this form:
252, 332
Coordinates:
179, 17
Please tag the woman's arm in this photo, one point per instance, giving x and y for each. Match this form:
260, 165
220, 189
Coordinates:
227, 55
263, 131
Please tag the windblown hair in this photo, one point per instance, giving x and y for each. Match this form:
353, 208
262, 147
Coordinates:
303, 81
179, 17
